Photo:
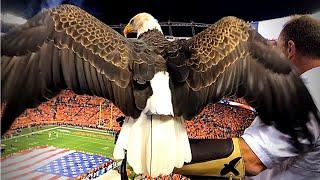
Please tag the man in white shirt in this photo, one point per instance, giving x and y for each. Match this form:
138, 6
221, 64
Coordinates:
300, 42
262, 146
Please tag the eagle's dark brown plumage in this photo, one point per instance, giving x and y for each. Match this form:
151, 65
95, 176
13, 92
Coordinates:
66, 47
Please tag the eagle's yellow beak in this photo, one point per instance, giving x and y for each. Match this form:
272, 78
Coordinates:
128, 29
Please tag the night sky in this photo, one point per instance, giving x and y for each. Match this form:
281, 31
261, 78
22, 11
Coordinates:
202, 11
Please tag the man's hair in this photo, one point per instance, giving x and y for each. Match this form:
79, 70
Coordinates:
304, 31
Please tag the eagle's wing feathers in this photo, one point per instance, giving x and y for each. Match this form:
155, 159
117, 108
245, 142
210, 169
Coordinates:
231, 59
215, 49
66, 47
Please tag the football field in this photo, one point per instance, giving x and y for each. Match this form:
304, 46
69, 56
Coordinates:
84, 140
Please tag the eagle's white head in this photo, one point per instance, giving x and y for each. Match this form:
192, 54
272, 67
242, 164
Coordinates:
141, 23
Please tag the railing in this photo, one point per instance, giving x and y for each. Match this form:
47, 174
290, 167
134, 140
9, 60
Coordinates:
170, 25
170, 32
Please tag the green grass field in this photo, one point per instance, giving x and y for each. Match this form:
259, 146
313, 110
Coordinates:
84, 140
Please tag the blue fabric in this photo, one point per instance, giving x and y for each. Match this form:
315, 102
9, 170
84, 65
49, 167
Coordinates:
73, 165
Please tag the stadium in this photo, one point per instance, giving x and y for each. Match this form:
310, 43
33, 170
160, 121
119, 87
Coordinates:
87, 125
73, 136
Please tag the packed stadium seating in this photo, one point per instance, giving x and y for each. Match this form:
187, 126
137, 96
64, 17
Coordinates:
71, 109
215, 121
219, 121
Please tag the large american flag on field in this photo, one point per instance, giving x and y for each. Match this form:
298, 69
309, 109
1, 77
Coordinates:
49, 163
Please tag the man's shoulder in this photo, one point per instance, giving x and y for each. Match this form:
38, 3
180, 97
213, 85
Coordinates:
314, 72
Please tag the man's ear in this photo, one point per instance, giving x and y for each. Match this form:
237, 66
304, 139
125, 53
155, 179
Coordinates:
291, 50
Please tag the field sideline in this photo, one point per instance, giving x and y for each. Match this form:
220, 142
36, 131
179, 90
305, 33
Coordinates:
84, 140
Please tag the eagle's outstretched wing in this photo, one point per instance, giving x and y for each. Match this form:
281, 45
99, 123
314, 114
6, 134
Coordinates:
231, 59
66, 47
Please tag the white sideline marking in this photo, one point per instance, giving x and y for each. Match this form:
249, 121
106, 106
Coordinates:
35, 132
92, 131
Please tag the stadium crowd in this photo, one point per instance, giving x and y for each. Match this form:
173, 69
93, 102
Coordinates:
70, 109
219, 121
215, 121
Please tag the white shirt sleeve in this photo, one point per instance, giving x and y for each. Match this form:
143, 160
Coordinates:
272, 146
269, 144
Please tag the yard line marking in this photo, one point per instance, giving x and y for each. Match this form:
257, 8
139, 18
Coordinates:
36, 132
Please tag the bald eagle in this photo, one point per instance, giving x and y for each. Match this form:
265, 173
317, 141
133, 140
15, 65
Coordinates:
157, 83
